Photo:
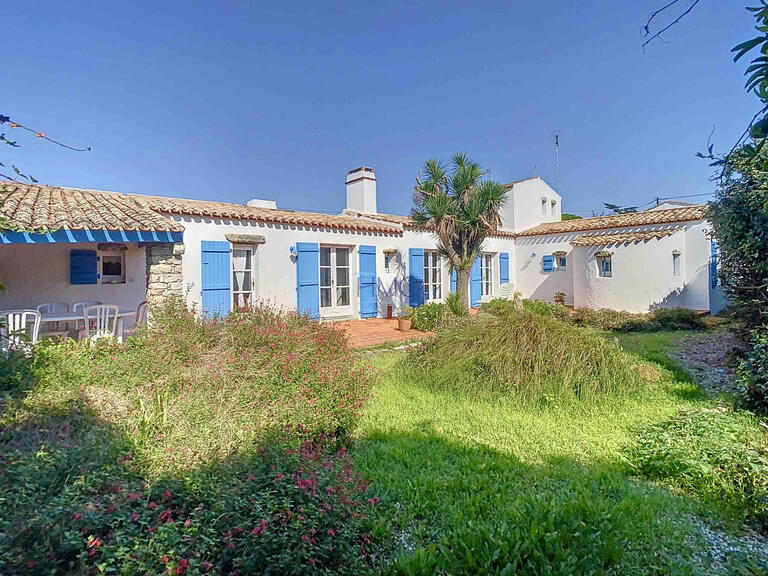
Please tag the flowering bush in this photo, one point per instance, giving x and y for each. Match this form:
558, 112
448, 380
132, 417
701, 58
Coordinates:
196, 447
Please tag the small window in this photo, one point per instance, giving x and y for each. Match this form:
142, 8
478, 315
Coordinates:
561, 262
486, 275
387, 261
552, 205
604, 266
112, 267
676, 263
543, 206
242, 276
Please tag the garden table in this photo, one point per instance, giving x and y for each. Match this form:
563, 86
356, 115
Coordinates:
78, 318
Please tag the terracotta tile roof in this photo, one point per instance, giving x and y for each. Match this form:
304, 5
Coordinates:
408, 223
240, 212
686, 214
623, 237
37, 207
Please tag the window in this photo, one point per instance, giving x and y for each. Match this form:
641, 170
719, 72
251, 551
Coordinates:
604, 266
486, 275
676, 263
242, 276
552, 204
433, 276
560, 260
112, 267
334, 279
543, 206
387, 261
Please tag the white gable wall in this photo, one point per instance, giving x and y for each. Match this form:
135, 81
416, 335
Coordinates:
523, 208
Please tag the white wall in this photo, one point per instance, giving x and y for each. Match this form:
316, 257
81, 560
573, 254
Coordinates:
642, 272
38, 273
522, 209
275, 276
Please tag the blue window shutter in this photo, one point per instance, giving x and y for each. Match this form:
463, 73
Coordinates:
369, 306
215, 278
416, 276
548, 263
308, 279
83, 267
475, 291
453, 280
713, 280
503, 268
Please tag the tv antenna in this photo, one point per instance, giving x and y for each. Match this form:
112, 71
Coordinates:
556, 135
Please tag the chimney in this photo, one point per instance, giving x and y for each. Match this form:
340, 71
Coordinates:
259, 203
361, 190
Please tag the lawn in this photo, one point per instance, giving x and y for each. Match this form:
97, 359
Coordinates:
262, 444
491, 486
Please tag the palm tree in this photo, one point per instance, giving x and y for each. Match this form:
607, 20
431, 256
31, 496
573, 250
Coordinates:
461, 208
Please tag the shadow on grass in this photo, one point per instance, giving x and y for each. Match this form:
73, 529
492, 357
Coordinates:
451, 507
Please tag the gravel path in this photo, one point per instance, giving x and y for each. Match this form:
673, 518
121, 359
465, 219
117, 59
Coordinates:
705, 356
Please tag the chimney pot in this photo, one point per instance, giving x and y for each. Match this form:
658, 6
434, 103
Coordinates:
361, 190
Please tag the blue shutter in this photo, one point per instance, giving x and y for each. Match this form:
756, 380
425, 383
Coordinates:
308, 279
503, 268
453, 280
416, 276
713, 280
475, 280
548, 263
369, 306
83, 267
215, 278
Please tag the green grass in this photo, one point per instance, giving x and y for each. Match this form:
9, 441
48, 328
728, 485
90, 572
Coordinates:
474, 485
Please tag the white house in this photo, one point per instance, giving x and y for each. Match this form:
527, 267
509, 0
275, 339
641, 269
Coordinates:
117, 248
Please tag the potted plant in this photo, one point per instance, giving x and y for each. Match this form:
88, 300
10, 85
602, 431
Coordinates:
560, 298
404, 320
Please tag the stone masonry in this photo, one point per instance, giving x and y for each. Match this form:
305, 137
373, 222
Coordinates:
164, 271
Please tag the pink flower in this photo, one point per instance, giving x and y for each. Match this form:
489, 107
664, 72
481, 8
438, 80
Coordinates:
207, 566
331, 532
259, 528
182, 566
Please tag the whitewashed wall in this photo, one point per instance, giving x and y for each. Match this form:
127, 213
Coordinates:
522, 209
275, 269
38, 273
642, 272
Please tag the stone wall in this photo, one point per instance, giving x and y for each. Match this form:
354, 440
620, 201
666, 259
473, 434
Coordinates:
164, 277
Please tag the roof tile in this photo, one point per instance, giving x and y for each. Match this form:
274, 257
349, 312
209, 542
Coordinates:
623, 237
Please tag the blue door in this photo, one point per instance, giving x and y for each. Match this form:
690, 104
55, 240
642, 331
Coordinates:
369, 306
416, 276
215, 278
308, 279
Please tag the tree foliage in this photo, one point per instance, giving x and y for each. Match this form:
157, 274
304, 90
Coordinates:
461, 207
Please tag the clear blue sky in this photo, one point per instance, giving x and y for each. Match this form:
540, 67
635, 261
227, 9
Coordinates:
228, 101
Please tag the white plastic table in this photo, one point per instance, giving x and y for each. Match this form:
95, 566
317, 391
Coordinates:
72, 317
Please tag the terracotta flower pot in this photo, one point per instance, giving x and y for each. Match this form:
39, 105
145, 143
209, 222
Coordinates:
404, 324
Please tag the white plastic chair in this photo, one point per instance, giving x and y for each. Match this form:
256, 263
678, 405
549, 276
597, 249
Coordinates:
100, 321
54, 329
79, 306
139, 320
19, 329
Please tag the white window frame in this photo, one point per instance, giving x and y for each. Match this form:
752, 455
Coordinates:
387, 261
433, 269
486, 275
543, 206
112, 279
561, 262
252, 271
336, 309
552, 207
600, 268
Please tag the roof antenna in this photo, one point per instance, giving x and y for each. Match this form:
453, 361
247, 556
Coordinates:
535, 171
557, 160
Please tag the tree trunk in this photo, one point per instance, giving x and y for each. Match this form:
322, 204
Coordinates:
462, 285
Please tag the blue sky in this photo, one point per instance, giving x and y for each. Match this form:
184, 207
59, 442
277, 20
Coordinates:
231, 100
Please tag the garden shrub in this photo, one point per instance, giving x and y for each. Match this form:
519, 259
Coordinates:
166, 454
715, 454
611, 320
523, 354
284, 510
455, 305
428, 316
753, 371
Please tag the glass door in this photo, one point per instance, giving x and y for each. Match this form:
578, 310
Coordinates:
335, 292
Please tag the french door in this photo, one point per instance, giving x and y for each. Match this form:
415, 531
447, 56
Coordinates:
335, 292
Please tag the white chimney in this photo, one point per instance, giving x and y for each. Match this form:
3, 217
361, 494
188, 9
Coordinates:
361, 190
259, 203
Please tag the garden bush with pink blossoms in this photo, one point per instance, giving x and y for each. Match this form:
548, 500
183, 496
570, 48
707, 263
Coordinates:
197, 447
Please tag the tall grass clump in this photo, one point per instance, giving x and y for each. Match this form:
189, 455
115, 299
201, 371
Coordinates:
522, 354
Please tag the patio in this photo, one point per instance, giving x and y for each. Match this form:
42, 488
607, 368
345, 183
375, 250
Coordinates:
376, 331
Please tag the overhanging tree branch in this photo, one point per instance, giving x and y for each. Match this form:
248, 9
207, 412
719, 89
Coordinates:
647, 27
